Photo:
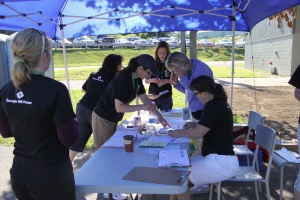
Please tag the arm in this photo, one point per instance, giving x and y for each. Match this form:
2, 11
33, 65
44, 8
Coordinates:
153, 96
164, 81
152, 108
175, 82
152, 80
5, 130
297, 94
193, 133
68, 132
123, 108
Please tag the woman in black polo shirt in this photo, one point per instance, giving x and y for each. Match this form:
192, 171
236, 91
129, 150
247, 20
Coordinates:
217, 162
123, 89
37, 112
93, 87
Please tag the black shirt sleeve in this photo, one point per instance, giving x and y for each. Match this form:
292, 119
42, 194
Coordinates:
295, 78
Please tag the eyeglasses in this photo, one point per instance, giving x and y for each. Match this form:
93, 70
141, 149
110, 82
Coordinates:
43, 38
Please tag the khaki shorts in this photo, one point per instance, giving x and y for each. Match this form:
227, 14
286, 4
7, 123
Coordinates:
102, 130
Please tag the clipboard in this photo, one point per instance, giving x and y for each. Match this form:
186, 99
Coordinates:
158, 175
173, 158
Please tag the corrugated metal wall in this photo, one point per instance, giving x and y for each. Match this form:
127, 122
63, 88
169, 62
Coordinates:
269, 43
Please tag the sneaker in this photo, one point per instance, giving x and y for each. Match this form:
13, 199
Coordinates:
199, 189
116, 196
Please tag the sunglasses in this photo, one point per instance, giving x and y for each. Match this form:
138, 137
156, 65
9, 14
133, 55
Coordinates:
43, 38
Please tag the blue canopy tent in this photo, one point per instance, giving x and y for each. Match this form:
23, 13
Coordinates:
73, 18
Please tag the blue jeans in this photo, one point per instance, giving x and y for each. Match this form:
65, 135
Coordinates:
84, 117
164, 103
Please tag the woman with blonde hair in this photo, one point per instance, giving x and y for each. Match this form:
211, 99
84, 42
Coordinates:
37, 112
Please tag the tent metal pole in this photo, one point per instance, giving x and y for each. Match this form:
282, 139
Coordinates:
232, 56
64, 54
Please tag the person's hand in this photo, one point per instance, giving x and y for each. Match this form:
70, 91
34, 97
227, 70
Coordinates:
179, 72
174, 79
189, 125
163, 82
149, 107
163, 122
153, 96
155, 80
175, 133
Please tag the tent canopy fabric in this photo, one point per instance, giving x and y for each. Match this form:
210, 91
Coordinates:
96, 17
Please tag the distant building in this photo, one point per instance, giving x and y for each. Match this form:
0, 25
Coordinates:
273, 47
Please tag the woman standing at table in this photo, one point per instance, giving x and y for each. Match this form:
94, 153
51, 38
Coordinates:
123, 89
93, 87
37, 112
161, 83
217, 161
183, 72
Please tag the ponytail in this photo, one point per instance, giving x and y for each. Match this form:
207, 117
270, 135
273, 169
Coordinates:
20, 73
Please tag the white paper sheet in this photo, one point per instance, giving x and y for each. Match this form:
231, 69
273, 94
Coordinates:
173, 158
116, 140
167, 138
156, 150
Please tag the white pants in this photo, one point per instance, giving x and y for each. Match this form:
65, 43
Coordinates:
212, 169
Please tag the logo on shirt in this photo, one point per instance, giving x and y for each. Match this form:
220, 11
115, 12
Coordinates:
19, 95
98, 79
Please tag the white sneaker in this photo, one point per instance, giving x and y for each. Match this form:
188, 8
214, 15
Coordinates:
199, 189
116, 196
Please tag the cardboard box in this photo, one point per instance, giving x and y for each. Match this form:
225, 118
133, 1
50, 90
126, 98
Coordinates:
291, 145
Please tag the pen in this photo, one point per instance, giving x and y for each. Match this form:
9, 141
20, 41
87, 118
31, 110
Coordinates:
175, 139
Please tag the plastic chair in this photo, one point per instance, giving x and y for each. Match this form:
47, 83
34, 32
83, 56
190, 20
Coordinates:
265, 137
253, 120
280, 163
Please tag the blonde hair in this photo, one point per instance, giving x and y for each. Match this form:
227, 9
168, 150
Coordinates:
27, 47
177, 59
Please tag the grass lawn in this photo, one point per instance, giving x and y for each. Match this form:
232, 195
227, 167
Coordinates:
94, 57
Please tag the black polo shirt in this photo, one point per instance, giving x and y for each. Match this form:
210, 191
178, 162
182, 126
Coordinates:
94, 87
154, 88
123, 87
295, 81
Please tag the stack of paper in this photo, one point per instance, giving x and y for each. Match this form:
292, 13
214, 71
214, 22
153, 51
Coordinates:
173, 158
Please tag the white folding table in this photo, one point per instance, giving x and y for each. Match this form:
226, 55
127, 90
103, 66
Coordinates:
103, 172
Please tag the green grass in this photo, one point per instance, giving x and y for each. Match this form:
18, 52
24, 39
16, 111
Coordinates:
219, 72
94, 57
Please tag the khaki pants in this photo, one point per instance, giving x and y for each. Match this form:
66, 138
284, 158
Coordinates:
102, 130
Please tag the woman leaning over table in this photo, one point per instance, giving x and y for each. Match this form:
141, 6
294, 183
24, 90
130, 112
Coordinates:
183, 72
37, 112
217, 161
122, 90
93, 87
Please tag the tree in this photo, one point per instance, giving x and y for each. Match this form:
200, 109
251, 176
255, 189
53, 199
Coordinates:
288, 15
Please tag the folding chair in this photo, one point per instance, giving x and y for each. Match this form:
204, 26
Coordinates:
265, 137
253, 120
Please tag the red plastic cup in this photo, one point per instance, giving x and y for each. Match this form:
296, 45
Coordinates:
128, 141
